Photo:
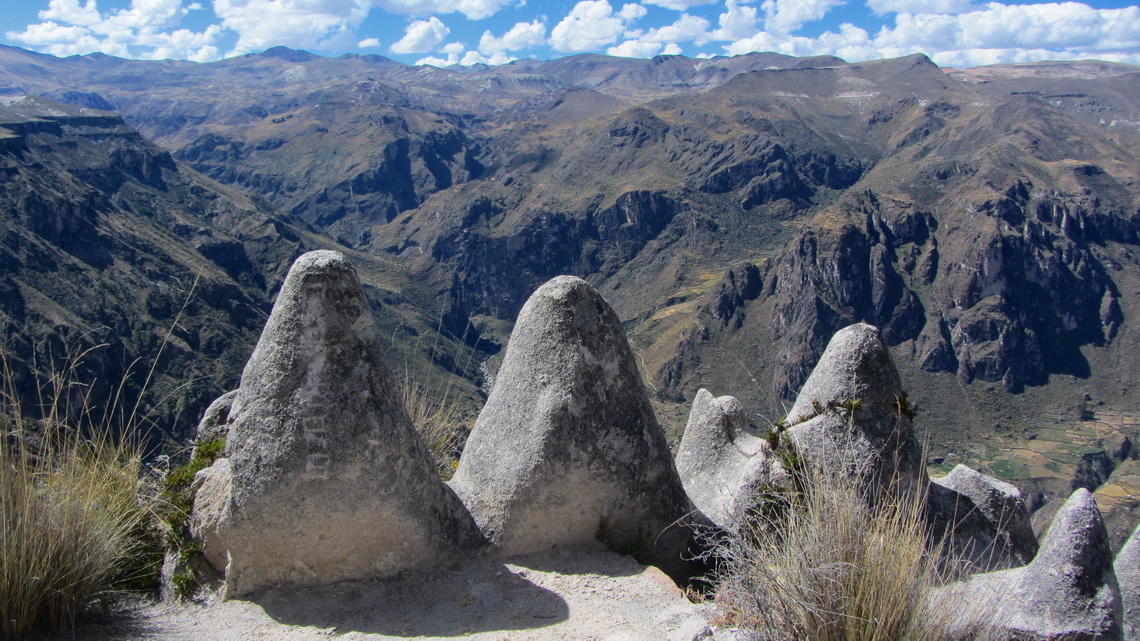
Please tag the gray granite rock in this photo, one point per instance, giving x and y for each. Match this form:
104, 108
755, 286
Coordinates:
1127, 570
567, 448
851, 416
1068, 592
723, 465
215, 421
987, 519
211, 491
330, 479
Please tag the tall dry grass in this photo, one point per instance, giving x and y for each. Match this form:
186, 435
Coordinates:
71, 520
823, 564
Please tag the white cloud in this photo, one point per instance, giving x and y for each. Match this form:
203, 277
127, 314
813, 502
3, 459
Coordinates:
145, 29
301, 24
687, 28
591, 25
678, 5
521, 36
995, 33
785, 16
918, 6
368, 43
672, 49
69, 12
472, 9
421, 36
736, 22
635, 49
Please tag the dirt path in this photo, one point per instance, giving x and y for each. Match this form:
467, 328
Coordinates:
578, 594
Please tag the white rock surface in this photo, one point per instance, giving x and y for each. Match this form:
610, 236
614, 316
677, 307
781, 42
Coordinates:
330, 479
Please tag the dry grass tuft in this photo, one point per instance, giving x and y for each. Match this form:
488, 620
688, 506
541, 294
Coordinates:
437, 418
70, 515
824, 565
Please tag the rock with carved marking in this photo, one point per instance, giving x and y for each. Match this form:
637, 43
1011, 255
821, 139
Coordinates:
724, 466
567, 448
330, 481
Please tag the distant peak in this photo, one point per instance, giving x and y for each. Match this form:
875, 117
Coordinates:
285, 53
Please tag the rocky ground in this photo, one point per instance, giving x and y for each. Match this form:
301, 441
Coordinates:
571, 593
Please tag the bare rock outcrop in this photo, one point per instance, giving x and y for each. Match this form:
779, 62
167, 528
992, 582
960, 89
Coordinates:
987, 519
211, 491
723, 465
1068, 592
330, 479
215, 421
567, 448
852, 416
1127, 570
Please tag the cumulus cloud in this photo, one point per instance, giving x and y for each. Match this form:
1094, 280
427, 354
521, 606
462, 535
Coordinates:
591, 25
521, 36
306, 24
737, 22
635, 49
368, 43
145, 29
785, 16
421, 36
995, 33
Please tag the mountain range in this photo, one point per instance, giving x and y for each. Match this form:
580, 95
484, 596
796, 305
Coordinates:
736, 212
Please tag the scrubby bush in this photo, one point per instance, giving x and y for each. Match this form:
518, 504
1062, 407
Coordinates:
819, 562
72, 526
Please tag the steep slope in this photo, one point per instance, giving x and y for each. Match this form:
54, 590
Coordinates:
114, 251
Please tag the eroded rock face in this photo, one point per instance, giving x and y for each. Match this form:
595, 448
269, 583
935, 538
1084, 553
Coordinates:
211, 491
989, 521
1068, 592
330, 479
215, 421
852, 415
567, 448
1127, 570
723, 465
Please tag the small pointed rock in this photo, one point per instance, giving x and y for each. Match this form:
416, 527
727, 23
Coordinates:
852, 415
567, 448
987, 518
330, 479
1127, 569
723, 465
1068, 592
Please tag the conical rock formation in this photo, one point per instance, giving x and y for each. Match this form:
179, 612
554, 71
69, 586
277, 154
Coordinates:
330, 481
1127, 570
852, 415
1068, 592
567, 448
723, 465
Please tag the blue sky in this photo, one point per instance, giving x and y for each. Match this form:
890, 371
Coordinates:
957, 33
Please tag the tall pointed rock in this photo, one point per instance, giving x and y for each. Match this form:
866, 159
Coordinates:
330, 479
567, 448
852, 415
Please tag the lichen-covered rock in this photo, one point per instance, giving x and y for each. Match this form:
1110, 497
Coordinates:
1068, 592
215, 421
986, 518
330, 479
567, 448
852, 416
211, 492
723, 465
1127, 570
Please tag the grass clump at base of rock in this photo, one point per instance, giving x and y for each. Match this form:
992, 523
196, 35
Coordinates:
828, 566
73, 525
